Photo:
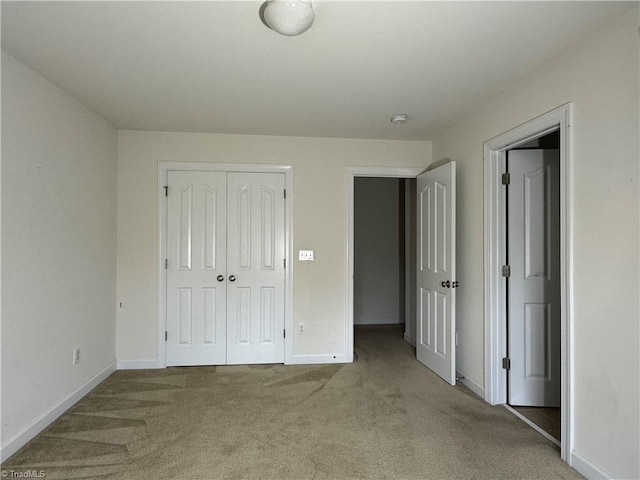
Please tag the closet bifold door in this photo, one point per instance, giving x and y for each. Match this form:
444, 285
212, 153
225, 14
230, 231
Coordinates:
255, 259
196, 268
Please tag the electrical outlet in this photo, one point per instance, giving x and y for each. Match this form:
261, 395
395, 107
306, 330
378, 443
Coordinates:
76, 355
301, 329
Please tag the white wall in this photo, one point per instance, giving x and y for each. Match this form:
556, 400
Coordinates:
376, 246
59, 250
320, 181
601, 78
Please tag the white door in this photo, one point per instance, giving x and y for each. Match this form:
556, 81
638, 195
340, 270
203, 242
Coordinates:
255, 266
436, 270
225, 268
196, 268
533, 197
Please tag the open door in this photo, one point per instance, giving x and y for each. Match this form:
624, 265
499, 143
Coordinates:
436, 270
533, 195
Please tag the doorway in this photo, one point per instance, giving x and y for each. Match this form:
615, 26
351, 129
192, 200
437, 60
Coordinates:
496, 294
374, 172
434, 232
532, 277
384, 254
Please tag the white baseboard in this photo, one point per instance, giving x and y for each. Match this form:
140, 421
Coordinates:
315, 359
139, 364
376, 321
20, 440
586, 468
295, 360
410, 340
471, 384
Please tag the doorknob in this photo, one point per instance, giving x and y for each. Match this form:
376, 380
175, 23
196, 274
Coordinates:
446, 284
232, 278
455, 284
220, 278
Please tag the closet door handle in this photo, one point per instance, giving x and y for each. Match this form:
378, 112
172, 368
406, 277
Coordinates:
232, 278
220, 278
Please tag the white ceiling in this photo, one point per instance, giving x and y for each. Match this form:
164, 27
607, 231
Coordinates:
214, 67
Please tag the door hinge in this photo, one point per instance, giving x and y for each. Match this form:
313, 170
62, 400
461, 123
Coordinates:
506, 363
506, 271
284, 333
166, 191
165, 336
285, 193
166, 263
284, 263
506, 178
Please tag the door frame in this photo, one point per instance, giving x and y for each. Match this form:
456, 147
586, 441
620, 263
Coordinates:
163, 169
495, 338
352, 173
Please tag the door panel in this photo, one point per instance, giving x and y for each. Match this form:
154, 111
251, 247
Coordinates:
440, 324
536, 332
436, 265
534, 285
196, 301
209, 315
441, 218
256, 259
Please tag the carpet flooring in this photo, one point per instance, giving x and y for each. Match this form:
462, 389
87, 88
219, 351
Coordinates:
385, 416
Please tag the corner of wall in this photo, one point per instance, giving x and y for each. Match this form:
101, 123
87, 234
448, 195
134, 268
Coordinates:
34, 428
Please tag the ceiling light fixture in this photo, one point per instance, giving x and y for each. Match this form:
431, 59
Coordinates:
399, 118
288, 17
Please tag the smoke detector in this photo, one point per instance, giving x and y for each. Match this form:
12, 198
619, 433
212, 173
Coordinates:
399, 118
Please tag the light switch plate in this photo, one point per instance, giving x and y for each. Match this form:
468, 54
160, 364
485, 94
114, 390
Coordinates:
305, 255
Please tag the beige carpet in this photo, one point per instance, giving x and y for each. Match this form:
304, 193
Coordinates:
384, 416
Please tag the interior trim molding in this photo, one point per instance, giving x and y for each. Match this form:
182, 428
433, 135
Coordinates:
316, 359
138, 364
586, 468
410, 340
47, 418
495, 334
470, 383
